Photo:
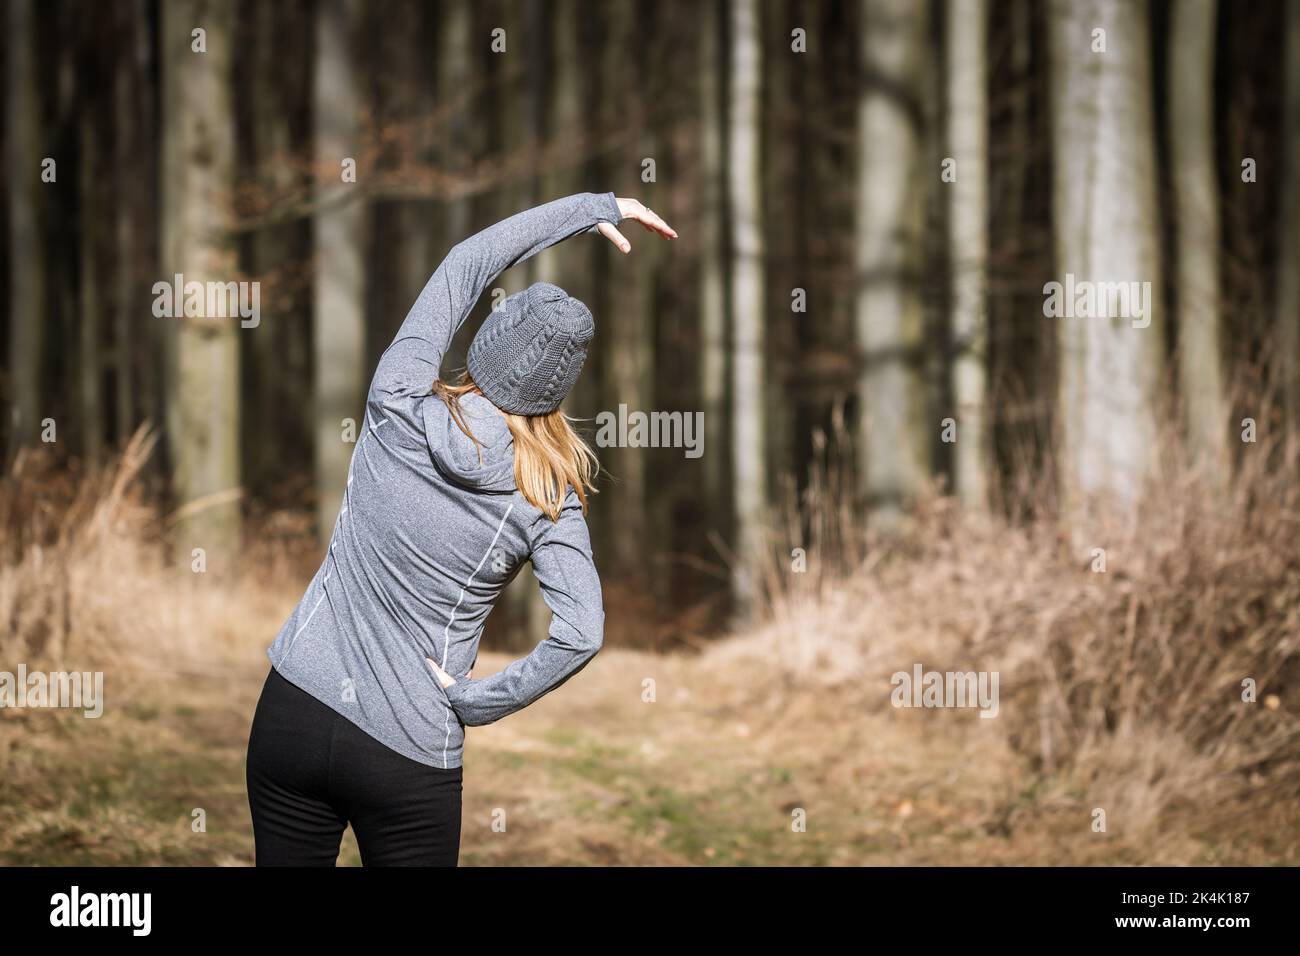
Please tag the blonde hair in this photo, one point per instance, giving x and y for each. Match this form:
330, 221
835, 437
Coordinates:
550, 457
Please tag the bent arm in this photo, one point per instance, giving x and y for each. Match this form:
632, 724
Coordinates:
570, 585
414, 359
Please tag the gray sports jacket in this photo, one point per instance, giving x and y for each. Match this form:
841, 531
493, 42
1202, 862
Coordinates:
427, 537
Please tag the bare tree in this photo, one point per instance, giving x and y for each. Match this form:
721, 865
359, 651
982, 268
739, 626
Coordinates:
1107, 231
1288, 268
272, 351
748, 306
562, 119
967, 142
26, 250
410, 81
894, 447
133, 176
968, 118
713, 271
460, 135
1196, 213
203, 366
339, 273
91, 324
627, 343
567, 132
522, 110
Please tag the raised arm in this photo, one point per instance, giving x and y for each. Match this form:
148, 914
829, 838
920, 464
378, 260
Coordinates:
414, 359
570, 586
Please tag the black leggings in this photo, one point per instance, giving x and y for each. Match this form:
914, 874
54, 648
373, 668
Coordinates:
311, 771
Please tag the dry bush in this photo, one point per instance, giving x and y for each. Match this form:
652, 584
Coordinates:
1121, 690
87, 578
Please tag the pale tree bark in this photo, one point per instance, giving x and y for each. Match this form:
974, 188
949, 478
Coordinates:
1196, 213
1107, 231
967, 45
748, 306
894, 450
1288, 260
339, 284
26, 250
712, 264
203, 367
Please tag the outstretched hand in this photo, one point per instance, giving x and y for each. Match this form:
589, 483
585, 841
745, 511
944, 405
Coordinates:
635, 210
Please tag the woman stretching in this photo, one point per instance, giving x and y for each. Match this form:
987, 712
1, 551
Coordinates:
451, 488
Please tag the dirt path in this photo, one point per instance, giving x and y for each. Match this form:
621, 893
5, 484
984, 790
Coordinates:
709, 771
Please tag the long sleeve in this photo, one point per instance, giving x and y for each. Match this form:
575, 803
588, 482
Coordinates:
563, 565
413, 360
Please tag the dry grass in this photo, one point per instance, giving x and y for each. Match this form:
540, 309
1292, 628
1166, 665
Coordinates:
1119, 690
87, 578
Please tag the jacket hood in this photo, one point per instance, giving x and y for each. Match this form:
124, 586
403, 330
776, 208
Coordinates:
457, 457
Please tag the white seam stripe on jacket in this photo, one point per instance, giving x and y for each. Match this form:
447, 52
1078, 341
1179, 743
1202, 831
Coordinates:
446, 631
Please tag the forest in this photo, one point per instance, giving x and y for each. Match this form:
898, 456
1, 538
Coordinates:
979, 350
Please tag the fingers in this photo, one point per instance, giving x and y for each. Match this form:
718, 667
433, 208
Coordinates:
634, 210
652, 221
445, 679
616, 237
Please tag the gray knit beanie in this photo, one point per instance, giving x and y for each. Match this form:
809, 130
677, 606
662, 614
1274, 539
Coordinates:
530, 350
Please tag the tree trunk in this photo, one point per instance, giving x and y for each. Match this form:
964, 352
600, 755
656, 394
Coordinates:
712, 262
152, 360
91, 306
272, 248
406, 103
203, 386
625, 339
517, 107
894, 453
26, 249
1288, 260
339, 268
967, 42
459, 134
1105, 215
523, 108
779, 148
1196, 203
748, 308
565, 120
132, 202
568, 130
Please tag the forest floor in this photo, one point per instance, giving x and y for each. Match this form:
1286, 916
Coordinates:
592, 774
1123, 735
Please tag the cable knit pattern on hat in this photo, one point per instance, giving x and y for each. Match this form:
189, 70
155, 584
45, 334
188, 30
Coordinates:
530, 350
